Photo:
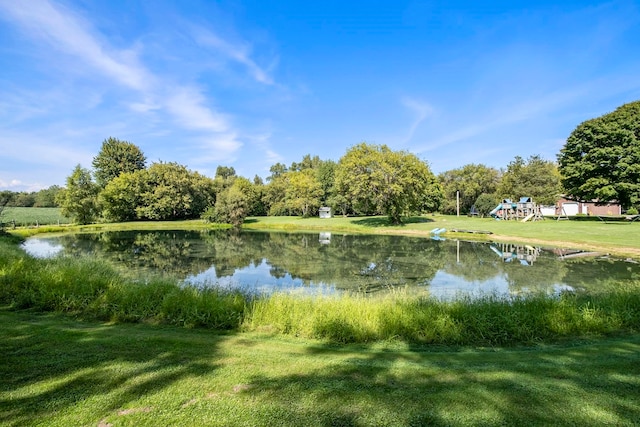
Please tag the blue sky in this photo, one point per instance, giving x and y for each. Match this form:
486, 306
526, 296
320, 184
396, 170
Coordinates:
251, 83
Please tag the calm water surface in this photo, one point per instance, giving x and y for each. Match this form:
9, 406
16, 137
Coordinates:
326, 262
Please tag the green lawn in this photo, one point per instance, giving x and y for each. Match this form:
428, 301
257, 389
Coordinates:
59, 372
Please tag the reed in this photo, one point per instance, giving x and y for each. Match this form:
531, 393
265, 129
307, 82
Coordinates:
87, 288
484, 321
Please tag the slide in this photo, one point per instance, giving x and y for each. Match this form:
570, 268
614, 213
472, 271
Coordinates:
528, 217
494, 212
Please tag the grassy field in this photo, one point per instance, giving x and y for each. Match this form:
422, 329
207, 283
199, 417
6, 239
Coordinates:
59, 372
29, 217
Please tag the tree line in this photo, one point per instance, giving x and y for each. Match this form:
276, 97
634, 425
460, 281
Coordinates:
45, 198
599, 161
367, 180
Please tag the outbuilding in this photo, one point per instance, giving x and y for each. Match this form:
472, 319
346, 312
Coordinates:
325, 212
568, 207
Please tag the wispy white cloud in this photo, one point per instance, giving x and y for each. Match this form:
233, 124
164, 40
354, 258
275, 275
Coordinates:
17, 185
65, 30
240, 53
420, 109
219, 147
527, 109
187, 105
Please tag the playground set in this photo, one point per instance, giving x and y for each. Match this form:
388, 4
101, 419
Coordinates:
524, 210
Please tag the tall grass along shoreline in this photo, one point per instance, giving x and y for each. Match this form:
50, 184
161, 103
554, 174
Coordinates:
89, 289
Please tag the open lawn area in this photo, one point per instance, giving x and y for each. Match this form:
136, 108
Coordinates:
56, 371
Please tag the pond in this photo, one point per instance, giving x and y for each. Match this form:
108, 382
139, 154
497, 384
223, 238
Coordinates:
330, 262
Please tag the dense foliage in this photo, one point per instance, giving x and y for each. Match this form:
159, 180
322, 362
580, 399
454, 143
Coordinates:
116, 157
45, 198
601, 158
78, 199
232, 206
485, 203
471, 181
535, 178
379, 180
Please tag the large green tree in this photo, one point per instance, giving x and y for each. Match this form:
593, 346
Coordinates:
122, 196
116, 157
536, 178
273, 195
164, 191
171, 191
79, 199
471, 181
325, 173
601, 158
304, 192
395, 183
253, 195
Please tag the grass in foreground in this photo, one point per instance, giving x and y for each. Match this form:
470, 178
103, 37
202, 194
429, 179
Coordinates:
60, 372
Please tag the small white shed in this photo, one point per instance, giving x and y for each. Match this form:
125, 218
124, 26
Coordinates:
325, 212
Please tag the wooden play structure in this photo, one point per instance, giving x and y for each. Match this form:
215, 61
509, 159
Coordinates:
524, 210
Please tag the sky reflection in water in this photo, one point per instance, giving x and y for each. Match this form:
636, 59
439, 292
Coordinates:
325, 263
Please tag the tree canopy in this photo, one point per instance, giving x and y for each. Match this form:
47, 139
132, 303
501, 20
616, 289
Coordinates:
164, 191
395, 183
471, 181
304, 192
171, 191
231, 206
116, 157
78, 200
601, 158
535, 178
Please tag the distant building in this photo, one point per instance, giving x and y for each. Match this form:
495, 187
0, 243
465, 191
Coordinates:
325, 212
569, 207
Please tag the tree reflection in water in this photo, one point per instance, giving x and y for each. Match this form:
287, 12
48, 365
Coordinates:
360, 263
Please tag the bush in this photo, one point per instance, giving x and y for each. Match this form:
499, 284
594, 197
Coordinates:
230, 208
485, 203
